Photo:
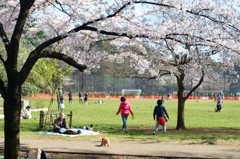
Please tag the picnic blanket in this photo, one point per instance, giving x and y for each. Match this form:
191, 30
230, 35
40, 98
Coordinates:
83, 132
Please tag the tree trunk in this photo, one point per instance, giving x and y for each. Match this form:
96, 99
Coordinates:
12, 108
181, 103
83, 82
117, 87
86, 83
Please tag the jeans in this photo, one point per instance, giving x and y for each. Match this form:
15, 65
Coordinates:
124, 119
70, 101
157, 125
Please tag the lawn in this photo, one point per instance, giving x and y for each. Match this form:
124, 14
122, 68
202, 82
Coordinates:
103, 116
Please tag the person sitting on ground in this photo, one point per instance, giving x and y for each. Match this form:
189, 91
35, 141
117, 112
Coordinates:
60, 122
219, 107
28, 113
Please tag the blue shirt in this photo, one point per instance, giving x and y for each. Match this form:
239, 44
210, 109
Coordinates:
159, 111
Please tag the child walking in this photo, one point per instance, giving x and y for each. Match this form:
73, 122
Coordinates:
159, 110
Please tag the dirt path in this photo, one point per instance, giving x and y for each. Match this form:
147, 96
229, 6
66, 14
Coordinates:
223, 131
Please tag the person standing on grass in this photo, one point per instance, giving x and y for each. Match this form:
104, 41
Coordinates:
222, 97
70, 97
159, 110
124, 108
61, 101
86, 98
80, 97
169, 94
215, 97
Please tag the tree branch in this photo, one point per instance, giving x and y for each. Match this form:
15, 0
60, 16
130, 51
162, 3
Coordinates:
4, 37
85, 27
33, 57
17, 33
213, 19
1, 58
3, 89
195, 87
124, 6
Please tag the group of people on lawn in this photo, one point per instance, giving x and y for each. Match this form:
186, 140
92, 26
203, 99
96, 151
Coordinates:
60, 99
124, 108
158, 115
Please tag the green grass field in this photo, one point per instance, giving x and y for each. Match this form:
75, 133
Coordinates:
103, 116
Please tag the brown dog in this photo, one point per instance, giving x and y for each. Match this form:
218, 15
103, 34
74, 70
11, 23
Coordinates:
105, 142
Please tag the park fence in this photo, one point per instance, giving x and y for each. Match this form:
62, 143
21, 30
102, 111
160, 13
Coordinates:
134, 97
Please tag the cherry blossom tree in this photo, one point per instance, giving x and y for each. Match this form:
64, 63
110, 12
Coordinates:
164, 60
75, 24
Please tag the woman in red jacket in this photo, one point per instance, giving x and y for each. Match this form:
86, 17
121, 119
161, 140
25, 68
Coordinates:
124, 108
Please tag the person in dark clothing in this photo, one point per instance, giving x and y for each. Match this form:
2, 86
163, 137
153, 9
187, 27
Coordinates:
159, 111
60, 122
86, 98
219, 107
162, 98
70, 97
169, 95
80, 97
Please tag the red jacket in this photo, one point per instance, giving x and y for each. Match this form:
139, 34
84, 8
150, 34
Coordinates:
125, 107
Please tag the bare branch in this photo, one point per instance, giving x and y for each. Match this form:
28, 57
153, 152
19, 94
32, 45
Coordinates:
33, 57
195, 87
17, 33
4, 37
214, 20
146, 78
1, 58
85, 27
132, 75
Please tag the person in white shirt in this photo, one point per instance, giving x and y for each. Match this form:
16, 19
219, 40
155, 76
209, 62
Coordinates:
28, 113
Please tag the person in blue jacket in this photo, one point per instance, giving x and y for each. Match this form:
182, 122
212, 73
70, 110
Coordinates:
159, 111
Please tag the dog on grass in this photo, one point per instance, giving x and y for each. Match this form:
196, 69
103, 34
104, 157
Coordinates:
105, 142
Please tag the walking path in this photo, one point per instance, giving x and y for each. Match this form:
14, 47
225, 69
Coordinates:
196, 151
